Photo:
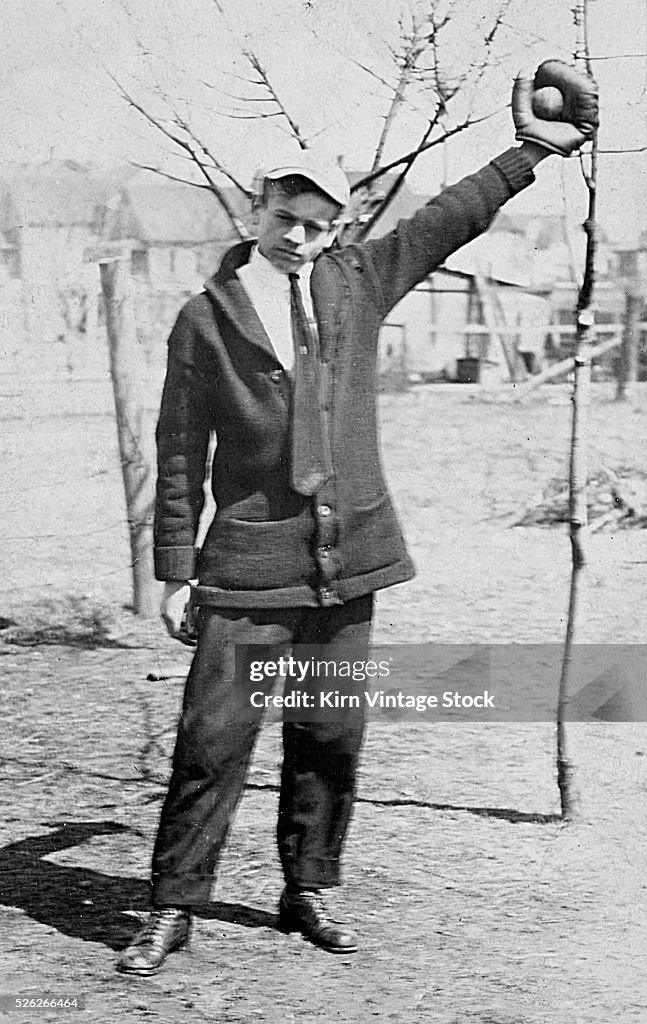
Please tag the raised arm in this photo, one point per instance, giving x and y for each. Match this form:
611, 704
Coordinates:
409, 253
556, 113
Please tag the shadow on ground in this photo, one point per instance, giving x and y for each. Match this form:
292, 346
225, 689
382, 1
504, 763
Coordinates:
515, 817
87, 904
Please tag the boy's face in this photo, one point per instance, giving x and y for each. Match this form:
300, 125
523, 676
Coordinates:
293, 230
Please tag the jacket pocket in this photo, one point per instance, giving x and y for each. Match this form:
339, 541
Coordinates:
242, 554
370, 537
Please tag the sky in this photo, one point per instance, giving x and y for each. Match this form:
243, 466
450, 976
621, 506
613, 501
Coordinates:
57, 100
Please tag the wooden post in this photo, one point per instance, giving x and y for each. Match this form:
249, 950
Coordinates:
628, 362
135, 446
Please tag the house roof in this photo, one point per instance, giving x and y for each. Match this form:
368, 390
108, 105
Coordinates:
118, 204
168, 213
58, 193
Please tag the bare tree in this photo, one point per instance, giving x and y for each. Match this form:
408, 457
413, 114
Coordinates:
578, 471
420, 69
422, 77
184, 137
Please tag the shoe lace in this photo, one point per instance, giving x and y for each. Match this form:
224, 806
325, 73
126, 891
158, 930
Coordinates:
319, 904
152, 934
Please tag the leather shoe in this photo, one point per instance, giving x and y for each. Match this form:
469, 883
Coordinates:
306, 912
166, 930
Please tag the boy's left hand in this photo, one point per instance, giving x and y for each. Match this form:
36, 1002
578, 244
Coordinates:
568, 130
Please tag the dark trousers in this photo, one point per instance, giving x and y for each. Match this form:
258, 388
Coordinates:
216, 738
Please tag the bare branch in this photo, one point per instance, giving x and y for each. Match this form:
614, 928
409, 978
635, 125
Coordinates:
619, 56
413, 48
373, 74
216, 164
366, 228
171, 177
638, 149
498, 22
419, 39
415, 153
263, 81
235, 220
254, 117
232, 96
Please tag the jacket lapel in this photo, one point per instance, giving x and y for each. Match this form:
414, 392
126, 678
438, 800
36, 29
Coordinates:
231, 296
328, 289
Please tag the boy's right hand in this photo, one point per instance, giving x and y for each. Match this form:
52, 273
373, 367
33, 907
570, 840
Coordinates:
174, 607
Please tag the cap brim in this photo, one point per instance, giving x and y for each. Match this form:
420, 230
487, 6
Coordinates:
339, 191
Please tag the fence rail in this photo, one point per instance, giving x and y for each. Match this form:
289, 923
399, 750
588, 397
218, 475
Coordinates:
74, 379
554, 330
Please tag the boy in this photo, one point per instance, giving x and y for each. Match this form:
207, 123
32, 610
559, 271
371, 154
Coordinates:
278, 357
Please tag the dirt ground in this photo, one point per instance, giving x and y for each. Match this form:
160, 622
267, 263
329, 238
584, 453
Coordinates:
475, 903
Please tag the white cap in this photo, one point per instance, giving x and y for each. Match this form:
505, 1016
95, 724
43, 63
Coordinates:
328, 177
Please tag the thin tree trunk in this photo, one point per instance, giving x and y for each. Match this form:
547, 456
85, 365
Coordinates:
578, 521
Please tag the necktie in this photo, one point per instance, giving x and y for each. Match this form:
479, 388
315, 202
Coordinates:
311, 463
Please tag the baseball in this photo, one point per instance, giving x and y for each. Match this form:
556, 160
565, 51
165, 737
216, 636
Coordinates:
548, 103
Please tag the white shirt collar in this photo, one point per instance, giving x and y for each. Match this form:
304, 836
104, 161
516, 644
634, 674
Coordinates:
266, 274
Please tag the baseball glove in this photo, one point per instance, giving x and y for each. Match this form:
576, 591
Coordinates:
578, 119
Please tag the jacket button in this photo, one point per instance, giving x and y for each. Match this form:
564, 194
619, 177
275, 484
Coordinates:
324, 511
276, 375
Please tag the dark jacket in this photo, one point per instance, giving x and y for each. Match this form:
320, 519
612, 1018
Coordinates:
267, 545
